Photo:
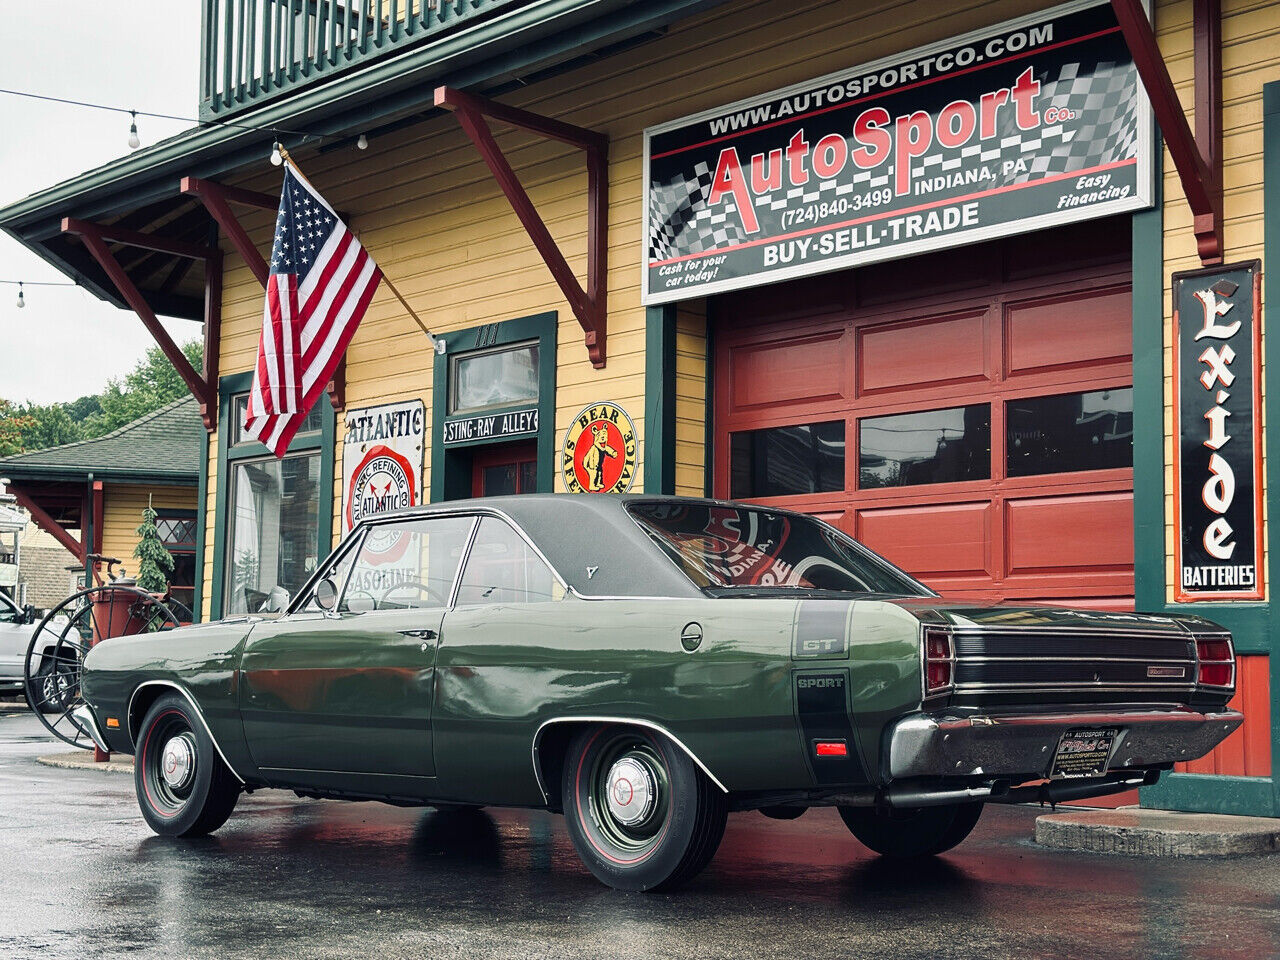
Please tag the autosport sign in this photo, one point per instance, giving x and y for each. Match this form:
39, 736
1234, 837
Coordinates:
1218, 440
1037, 122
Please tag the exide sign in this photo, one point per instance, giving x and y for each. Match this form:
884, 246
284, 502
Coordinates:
1035, 122
1218, 454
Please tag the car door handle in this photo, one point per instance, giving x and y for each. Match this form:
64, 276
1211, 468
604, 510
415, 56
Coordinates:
420, 634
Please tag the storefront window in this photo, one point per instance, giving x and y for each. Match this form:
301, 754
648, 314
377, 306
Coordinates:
273, 540
1070, 432
484, 380
931, 446
310, 425
780, 461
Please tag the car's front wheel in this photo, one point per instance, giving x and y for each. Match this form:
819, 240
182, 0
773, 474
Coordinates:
914, 832
184, 788
641, 815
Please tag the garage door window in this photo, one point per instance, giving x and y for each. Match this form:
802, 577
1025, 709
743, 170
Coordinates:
931, 446
782, 461
1070, 432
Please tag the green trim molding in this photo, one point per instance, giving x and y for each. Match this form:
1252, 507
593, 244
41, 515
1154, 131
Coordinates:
228, 387
1252, 625
451, 466
658, 456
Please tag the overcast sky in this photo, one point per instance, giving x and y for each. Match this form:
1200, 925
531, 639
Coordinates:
138, 54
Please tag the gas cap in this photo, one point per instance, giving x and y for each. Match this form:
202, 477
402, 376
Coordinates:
691, 636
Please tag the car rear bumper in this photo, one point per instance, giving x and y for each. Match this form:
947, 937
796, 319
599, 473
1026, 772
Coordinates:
931, 745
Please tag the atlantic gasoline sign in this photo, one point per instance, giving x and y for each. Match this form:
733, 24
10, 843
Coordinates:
382, 455
1218, 456
1037, 122
599, 453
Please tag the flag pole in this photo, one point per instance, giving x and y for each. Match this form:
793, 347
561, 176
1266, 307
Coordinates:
437, 344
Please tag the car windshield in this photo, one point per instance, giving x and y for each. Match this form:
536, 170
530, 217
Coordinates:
737, 549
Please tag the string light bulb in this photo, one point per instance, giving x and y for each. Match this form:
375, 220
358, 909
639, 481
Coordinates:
21, 302
362, 142
276, 158
134, 142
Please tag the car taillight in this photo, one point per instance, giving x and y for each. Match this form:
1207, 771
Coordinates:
939, 661
1217, 662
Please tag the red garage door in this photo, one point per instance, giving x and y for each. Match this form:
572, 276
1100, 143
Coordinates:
967, 415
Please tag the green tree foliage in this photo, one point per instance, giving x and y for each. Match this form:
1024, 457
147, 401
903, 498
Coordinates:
147, 387
154, 561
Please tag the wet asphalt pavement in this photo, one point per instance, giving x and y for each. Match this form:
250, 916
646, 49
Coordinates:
81, 876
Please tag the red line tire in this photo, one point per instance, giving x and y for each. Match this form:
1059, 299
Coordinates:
197, 798
916, 832
666, 817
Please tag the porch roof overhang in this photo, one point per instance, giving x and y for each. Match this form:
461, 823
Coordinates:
140, 192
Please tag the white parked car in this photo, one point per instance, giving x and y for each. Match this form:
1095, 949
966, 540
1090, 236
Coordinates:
16, 629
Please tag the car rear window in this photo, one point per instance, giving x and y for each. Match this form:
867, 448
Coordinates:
737, 548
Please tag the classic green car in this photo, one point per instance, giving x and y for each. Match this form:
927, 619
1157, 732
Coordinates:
645, 665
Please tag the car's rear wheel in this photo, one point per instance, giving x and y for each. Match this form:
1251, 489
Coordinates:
184, 788
56, 686
641, 815
915, 832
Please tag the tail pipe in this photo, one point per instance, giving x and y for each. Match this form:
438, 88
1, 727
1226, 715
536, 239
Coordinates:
1061, 791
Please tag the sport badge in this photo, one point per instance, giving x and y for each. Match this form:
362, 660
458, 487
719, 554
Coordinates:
599, 454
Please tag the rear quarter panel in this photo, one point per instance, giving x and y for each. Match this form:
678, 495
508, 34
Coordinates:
503, 671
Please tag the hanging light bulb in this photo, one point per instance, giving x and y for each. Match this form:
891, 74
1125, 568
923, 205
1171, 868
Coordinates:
21, 302
276, 159
134, 142
362, 142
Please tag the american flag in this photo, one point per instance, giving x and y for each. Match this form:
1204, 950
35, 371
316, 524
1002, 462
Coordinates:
320, 284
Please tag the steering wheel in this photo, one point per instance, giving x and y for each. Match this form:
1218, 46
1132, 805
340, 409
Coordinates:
419, 589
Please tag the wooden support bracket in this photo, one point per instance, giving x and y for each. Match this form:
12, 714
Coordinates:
48, 524
1198, 156
589, 305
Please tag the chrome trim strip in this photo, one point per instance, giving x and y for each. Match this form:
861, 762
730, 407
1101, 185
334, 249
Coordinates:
462, 564
195, 706
1180, 661
1073, 685
1037, 628
634, 721
84, 716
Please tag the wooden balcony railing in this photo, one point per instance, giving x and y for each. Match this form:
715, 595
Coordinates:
255, 50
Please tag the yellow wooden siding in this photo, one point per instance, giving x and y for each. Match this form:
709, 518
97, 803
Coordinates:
1249, 43
122, 506
432, 216
691, 397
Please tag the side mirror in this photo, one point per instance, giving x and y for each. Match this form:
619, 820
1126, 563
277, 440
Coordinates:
29, 614
326, 594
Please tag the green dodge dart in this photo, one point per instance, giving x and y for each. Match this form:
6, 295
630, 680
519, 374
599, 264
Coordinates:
644, 665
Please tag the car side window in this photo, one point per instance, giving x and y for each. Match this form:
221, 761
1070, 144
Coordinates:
406, 564
503, 568
8, 612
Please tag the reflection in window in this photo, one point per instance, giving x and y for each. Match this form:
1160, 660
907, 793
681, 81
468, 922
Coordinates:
805, 458
238, 436
502, 568
407, 564
272, 544
494, 378
1070, 432
931, 446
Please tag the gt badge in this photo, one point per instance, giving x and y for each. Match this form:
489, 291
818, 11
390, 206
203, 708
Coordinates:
599, 454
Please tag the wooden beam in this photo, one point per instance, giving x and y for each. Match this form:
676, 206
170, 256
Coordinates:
250, 198
1201, 181
212, 341
131, 238
1207, 23
96, 243
589, 306
216, 199
48, 524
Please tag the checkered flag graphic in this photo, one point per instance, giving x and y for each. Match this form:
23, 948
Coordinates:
681, 222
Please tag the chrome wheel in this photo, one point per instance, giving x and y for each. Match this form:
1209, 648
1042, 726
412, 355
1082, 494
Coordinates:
630, 792
169, 761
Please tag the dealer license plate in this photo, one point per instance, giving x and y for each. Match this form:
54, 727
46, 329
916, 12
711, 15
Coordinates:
1083, 753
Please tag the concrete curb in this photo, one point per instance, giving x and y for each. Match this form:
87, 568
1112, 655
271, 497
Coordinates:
1159, 833
83, 760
